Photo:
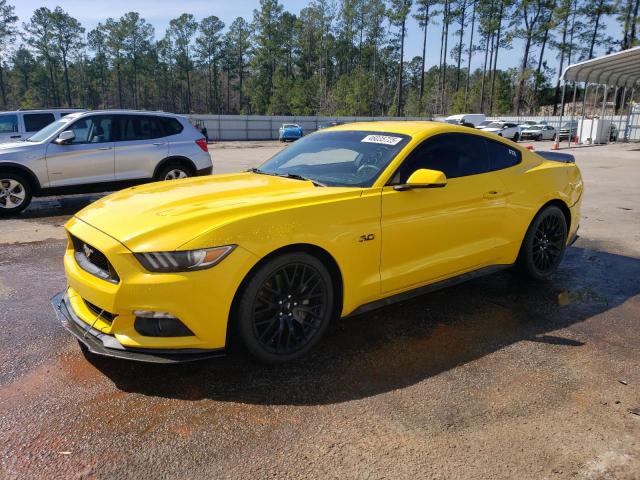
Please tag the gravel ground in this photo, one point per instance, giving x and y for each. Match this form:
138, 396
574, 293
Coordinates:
495, 378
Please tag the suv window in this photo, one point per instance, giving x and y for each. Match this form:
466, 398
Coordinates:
139, 127
8, 123
455, 154
171, 126
37, 121
502, 156
95, 129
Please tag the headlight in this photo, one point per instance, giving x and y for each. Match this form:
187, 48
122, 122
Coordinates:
184, 261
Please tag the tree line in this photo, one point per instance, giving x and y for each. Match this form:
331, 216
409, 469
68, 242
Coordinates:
335, 57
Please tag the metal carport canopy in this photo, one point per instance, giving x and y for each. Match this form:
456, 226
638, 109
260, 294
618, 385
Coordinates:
620, 69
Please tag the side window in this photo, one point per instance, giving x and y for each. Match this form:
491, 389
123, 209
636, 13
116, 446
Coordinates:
8, 123
37, 121
455, 154
502, 156
96, 129
171, 126
139, 127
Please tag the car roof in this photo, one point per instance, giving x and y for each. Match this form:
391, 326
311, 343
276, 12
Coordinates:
42, 110
129, 112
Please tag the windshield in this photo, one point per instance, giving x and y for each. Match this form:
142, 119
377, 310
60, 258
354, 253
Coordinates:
339, 159
43, 134
535, 127
570, 125
290, 125
485, 123
495, 125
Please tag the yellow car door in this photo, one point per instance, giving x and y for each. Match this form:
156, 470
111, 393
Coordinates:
429, 234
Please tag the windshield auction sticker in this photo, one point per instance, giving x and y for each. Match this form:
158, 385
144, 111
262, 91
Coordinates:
383, 139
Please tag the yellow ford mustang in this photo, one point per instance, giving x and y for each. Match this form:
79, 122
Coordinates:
337, 223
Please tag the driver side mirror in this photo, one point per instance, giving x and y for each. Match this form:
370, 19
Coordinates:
65, 137
423, 178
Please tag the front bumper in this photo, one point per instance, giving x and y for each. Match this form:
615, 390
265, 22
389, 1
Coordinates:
107, 345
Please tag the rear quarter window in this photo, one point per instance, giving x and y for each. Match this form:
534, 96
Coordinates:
37, 121
171, 126
502, 156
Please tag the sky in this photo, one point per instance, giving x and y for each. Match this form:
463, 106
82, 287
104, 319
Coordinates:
159, 12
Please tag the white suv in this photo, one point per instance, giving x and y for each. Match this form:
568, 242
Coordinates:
508, 130
97, 151
21, 124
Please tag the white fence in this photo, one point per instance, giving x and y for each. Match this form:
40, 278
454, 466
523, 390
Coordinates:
264, 127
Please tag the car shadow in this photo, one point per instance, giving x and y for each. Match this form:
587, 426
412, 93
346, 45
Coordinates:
402, 344
48, 207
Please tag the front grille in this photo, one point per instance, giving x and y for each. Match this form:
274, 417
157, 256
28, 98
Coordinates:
93, 261
104, 315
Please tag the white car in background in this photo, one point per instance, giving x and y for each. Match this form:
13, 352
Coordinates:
504, 129
538, 132
21, 124
485, 124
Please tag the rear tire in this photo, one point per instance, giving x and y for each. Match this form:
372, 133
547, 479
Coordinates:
285, 308
544, 244
516, 137
174, 171
15, 194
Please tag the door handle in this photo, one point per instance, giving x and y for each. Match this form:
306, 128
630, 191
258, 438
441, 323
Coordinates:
160, 143
105, 148
15, 136
491, 194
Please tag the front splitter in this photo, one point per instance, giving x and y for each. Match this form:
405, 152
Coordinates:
107, 345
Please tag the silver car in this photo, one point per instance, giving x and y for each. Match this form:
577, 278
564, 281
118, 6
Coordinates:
100, 151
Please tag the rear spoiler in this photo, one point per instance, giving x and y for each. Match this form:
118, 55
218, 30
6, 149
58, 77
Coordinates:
557, 157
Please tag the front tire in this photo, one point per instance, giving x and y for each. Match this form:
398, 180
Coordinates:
516, 137
15, 194
285, 308
544, 244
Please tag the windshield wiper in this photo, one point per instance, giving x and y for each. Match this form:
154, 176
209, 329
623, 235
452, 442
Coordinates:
295, 176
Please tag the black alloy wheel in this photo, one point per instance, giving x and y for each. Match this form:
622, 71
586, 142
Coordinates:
286, 307
544, 243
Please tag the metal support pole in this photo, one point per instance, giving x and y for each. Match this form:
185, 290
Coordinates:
624, 96
604, 103
615, 95
573, 112
627, 130
593, 107
556, 143
584, 104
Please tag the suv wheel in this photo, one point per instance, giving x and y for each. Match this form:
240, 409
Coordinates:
174, 171
15, 194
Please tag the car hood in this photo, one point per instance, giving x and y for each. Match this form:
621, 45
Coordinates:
7, 149
164, 216
492, 130
532, 130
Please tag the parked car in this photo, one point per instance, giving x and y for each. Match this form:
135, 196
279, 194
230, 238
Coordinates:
290, 132
568, 130
485, 124
324, 125
538, 132
99, 151
21, 124
504, 129
466, 118
531, 123
330, 227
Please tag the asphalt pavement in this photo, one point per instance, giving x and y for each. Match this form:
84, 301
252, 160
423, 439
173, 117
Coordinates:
494, 378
